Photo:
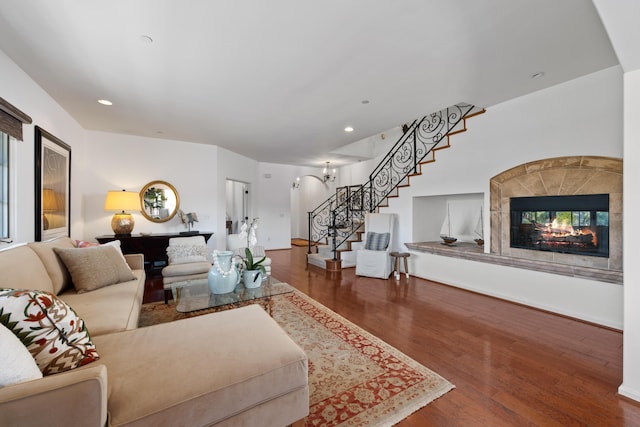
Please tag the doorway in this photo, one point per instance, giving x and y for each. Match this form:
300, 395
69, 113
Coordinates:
311, 192
237, 204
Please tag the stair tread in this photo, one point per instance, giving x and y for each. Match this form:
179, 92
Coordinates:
319, 261
345, 250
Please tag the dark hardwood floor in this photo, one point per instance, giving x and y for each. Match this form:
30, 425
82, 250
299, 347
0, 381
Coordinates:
511, 365
153, 290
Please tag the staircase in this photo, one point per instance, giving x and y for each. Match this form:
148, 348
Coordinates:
336, 225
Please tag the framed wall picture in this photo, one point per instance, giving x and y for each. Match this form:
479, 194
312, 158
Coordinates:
52, 186
355, 197
342, 193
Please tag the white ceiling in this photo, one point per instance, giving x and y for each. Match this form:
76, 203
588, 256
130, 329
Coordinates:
278, 80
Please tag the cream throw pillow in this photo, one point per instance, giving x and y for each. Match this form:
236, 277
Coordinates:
182, 250
182, 254
95, 267
17, 363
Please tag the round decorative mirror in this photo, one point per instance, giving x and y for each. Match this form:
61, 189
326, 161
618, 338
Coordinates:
159, 201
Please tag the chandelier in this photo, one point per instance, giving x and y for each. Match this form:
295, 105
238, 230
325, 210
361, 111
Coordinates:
326, 176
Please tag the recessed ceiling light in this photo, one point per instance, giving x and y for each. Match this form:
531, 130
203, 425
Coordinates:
348, 129
105, 102
537, 75
146, 39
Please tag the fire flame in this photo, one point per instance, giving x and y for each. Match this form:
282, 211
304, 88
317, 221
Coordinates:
560, 229
557, 229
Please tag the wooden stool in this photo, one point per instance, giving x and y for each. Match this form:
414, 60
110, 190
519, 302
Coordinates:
396, 263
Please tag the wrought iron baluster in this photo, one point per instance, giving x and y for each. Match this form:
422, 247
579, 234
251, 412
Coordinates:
419, 140
415, 153
309, 216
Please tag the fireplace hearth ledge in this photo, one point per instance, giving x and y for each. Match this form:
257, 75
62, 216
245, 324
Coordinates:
473, 252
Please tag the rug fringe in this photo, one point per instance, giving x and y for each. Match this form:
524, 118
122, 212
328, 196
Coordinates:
408, 411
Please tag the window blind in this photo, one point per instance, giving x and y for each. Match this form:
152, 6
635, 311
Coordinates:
12, 119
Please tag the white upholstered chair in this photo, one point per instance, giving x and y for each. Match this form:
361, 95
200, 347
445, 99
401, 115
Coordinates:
188, 260
237, 243
374, 259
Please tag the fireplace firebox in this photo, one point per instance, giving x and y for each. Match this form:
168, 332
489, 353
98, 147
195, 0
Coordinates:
576, 224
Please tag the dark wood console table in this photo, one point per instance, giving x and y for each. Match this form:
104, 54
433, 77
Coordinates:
152, 246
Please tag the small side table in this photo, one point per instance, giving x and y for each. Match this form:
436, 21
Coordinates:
396, 263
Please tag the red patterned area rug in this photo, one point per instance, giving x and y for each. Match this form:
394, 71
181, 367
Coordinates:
355, 379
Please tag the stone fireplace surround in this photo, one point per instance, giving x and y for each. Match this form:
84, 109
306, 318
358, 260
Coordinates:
554, 176
558, 176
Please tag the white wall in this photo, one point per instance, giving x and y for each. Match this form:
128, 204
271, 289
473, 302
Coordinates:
237, 168
589, 300
18, 89
631, 251
620, 20
274, 205
199, 173
105, 161
580, 117
311, 193
116, 161
282, 209
429, 213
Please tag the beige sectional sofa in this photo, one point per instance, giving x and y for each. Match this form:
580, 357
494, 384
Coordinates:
235, 367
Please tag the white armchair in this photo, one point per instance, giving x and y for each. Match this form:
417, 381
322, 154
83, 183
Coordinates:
187, 261
237, 243
375, 260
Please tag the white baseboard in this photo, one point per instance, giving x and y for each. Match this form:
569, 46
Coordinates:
629, 392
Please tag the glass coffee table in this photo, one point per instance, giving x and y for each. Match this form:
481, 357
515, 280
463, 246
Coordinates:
194, 295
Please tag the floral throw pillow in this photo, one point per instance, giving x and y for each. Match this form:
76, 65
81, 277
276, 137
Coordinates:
52, 332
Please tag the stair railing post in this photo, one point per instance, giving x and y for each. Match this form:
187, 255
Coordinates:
415, 151
309, 237
334, 232
390, 184
370, 207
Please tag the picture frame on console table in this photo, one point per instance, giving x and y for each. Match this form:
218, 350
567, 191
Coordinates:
52, 186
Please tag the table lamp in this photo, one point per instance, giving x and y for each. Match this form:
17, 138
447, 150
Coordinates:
120, 201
